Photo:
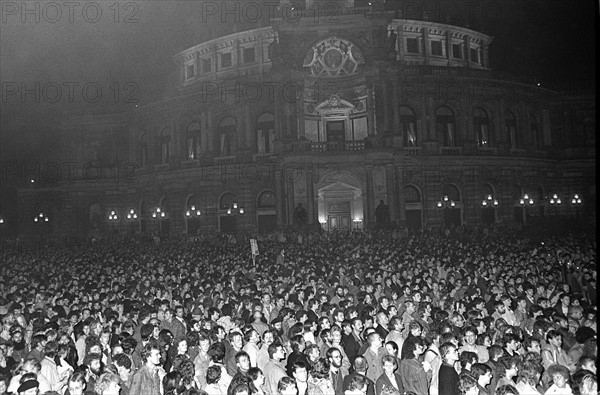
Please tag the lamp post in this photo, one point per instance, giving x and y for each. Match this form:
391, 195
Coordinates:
131, 217
159, 214
236, 210
555, 202
193, 214
577, 202
443, 204
490, 203
113, 218
40, 220
525, 201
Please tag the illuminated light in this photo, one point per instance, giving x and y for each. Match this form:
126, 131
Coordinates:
235, 206
158, 209
153, 215
162, 214
131, 211
46, 219
484, 203
526, 197
452, 204
439, 204
41, 215
193, 208
187, 213
495, 202
555, 196
576, 196
1, 220
128, 216
198, 212
228, 211
35, 219
531, 201
558, 201
489, 197
573, 201
578, 201
32, 180
521, 202
445, 198
112, 212
551, 201
134, 216
242, 210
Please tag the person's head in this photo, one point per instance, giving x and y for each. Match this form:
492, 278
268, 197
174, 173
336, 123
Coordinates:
28, 386
374, 340
360, 364
507, 367
172, 383
530, 373
320, 369
151, 354
108, 384
449, 353
587, 363
589, 385
554, 338
242, 360
77, 383
213, 374
94, 362
287, 386
467, 385
276, 351
334, 356
559, 375
357, 385
412, 348
482, 373
256, 377
389, 364
392, 348
300, 371
216, 352
531, 344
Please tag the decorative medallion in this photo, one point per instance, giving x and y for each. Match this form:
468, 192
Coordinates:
333, 57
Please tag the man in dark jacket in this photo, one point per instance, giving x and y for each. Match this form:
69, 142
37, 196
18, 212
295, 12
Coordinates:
448, 384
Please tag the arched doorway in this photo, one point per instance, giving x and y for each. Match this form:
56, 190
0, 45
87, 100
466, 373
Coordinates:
413, 207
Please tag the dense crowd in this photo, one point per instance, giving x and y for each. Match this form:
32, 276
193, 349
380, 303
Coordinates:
385, 312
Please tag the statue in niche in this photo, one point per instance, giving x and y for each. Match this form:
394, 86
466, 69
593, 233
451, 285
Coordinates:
300, 215
382, 214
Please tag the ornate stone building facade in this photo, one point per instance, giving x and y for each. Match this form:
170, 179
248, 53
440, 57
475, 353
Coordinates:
335, 117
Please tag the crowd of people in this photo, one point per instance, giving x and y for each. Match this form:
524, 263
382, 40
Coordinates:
384, 312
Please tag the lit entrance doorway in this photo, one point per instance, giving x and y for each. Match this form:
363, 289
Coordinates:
340, 203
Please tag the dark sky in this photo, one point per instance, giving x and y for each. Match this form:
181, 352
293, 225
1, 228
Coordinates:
71, 51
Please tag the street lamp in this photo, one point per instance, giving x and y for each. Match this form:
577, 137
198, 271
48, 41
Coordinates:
555, 201
40, 218
525, 201
577, 202
235, 209
131, 215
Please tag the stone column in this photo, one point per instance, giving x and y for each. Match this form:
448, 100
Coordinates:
290, 178
400, 188
371, 111
371, 204
390, 186
279, 197
310, 196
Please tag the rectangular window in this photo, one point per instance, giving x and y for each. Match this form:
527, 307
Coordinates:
436, 48
457, 51
249, 56
412, 45
206, 65
190, 71
474, 55
226, 60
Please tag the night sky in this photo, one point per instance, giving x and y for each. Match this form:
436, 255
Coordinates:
128, 53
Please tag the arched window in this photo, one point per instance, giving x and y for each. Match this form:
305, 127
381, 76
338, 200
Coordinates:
445, 126
481, 123
227, 136
537, 136
408, 126
226, 201
165, 146
265, 133
510, 124
266, 200
452, 192
411, 194
194, 145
